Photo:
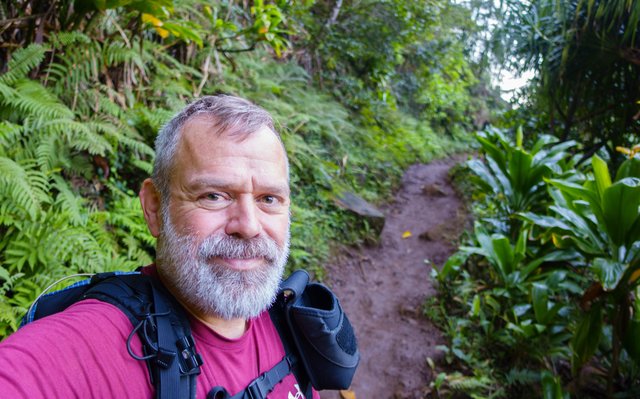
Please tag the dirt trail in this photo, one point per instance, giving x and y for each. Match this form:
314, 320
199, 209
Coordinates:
383, 289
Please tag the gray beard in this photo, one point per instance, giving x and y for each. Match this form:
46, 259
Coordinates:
211, 288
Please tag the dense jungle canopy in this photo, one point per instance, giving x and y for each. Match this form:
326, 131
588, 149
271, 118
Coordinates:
360, 89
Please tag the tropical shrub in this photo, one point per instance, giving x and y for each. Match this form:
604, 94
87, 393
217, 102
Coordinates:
560, 292
513, 176
600, 219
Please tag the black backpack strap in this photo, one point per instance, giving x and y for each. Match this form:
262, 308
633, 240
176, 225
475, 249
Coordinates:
163, 328
290, 289
279, 321
176, 354
260, 387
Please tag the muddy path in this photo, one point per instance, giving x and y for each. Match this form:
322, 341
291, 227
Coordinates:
383, 288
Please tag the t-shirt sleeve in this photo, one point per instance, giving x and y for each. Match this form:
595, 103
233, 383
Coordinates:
78, 353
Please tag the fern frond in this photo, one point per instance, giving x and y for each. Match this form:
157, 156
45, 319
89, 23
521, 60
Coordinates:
7, 91
63, 39
51, 155
16, 186
9, 134
79, 135
465, 383
22, 62
10, 215
9, 317
77, 70
146, 167
126, 219
69, 203
34, 99
522, 376
82, 251
115, 53
139, 147
106, 105
101, 232
87, 140
155, 118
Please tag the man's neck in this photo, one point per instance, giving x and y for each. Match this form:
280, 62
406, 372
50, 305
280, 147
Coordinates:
230, 329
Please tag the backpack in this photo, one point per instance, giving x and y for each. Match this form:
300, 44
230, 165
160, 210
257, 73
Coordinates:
319, 342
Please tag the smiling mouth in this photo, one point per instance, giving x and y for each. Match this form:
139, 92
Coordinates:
241, 264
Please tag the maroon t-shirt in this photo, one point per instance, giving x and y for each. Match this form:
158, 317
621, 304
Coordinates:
81, 353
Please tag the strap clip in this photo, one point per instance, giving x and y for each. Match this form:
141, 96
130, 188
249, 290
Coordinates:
255, 389
190, 360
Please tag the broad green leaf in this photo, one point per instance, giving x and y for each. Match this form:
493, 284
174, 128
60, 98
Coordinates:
519, 171
551, 386
601, 174
629, 168
609, 272
519, 137
484, 174
501, 177
631, 342
543, 140
581, 229
586, 337
547, 222
484, 240
540, 299
554, 256
475, 306
504, 254
492, 150
451, 265
620, 204
521, 245
579, 192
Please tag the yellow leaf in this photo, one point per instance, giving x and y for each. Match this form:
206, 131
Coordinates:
634, 276
346, 394
150, 19
559, 241
406, 234
162, 32
263, 30
623, 150
208, 12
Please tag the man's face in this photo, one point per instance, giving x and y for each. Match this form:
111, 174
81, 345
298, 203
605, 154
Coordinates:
224, 235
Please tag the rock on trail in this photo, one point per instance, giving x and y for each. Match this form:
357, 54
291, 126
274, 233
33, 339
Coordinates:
384, 288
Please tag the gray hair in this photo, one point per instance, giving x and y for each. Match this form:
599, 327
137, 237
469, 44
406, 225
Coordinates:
229, 114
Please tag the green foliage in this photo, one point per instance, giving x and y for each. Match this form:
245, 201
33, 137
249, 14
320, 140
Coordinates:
84, 89
560, 291
585, 55
514, 176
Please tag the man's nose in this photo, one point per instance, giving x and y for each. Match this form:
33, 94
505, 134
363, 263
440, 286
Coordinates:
243, 219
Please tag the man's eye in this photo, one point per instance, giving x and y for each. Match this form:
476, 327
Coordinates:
213, 197
269, 199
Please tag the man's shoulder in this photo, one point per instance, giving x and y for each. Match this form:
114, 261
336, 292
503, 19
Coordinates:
79, 352
86, 319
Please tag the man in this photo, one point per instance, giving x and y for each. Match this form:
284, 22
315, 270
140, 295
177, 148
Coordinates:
218, 203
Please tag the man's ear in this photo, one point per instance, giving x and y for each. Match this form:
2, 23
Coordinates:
150, 201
